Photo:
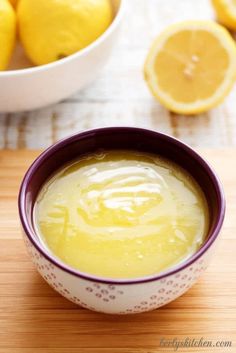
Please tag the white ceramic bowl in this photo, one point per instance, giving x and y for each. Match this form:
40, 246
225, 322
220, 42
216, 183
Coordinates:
110, 295
35, 87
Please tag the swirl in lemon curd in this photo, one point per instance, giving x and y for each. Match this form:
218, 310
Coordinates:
121, 214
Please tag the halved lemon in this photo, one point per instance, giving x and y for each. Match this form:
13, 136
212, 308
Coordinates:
191, 66
226, 12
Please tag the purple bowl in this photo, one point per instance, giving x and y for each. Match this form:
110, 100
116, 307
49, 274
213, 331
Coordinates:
103, 294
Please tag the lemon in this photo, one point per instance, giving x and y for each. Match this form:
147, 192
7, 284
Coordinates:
191, 66
226, 12
7, 32
53, 29
13, 2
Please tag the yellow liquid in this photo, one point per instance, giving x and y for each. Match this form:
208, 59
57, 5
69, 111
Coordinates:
121, 214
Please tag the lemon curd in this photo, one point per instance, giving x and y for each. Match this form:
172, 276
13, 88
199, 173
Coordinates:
121, 214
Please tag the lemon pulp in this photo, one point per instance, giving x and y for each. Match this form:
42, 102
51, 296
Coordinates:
121, 214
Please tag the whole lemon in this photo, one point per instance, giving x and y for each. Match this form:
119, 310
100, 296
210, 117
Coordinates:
7, 32
53, 29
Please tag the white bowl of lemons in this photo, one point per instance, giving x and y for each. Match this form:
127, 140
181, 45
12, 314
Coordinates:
63, 46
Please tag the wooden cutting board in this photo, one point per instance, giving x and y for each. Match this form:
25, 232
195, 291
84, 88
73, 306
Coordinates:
35, 319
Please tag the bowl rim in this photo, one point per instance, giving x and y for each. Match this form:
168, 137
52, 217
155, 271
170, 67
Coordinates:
212, 235
80, 53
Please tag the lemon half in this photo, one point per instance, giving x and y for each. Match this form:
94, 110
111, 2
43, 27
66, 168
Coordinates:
191, 66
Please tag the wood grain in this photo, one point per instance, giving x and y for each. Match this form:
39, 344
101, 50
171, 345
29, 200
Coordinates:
119, 96
35, 319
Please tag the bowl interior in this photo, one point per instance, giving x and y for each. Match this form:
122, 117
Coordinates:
121, 138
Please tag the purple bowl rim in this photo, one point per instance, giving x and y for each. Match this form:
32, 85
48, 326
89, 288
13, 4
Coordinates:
62, 266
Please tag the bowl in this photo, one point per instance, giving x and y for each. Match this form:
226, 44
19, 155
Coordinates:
108, 295
36, 87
